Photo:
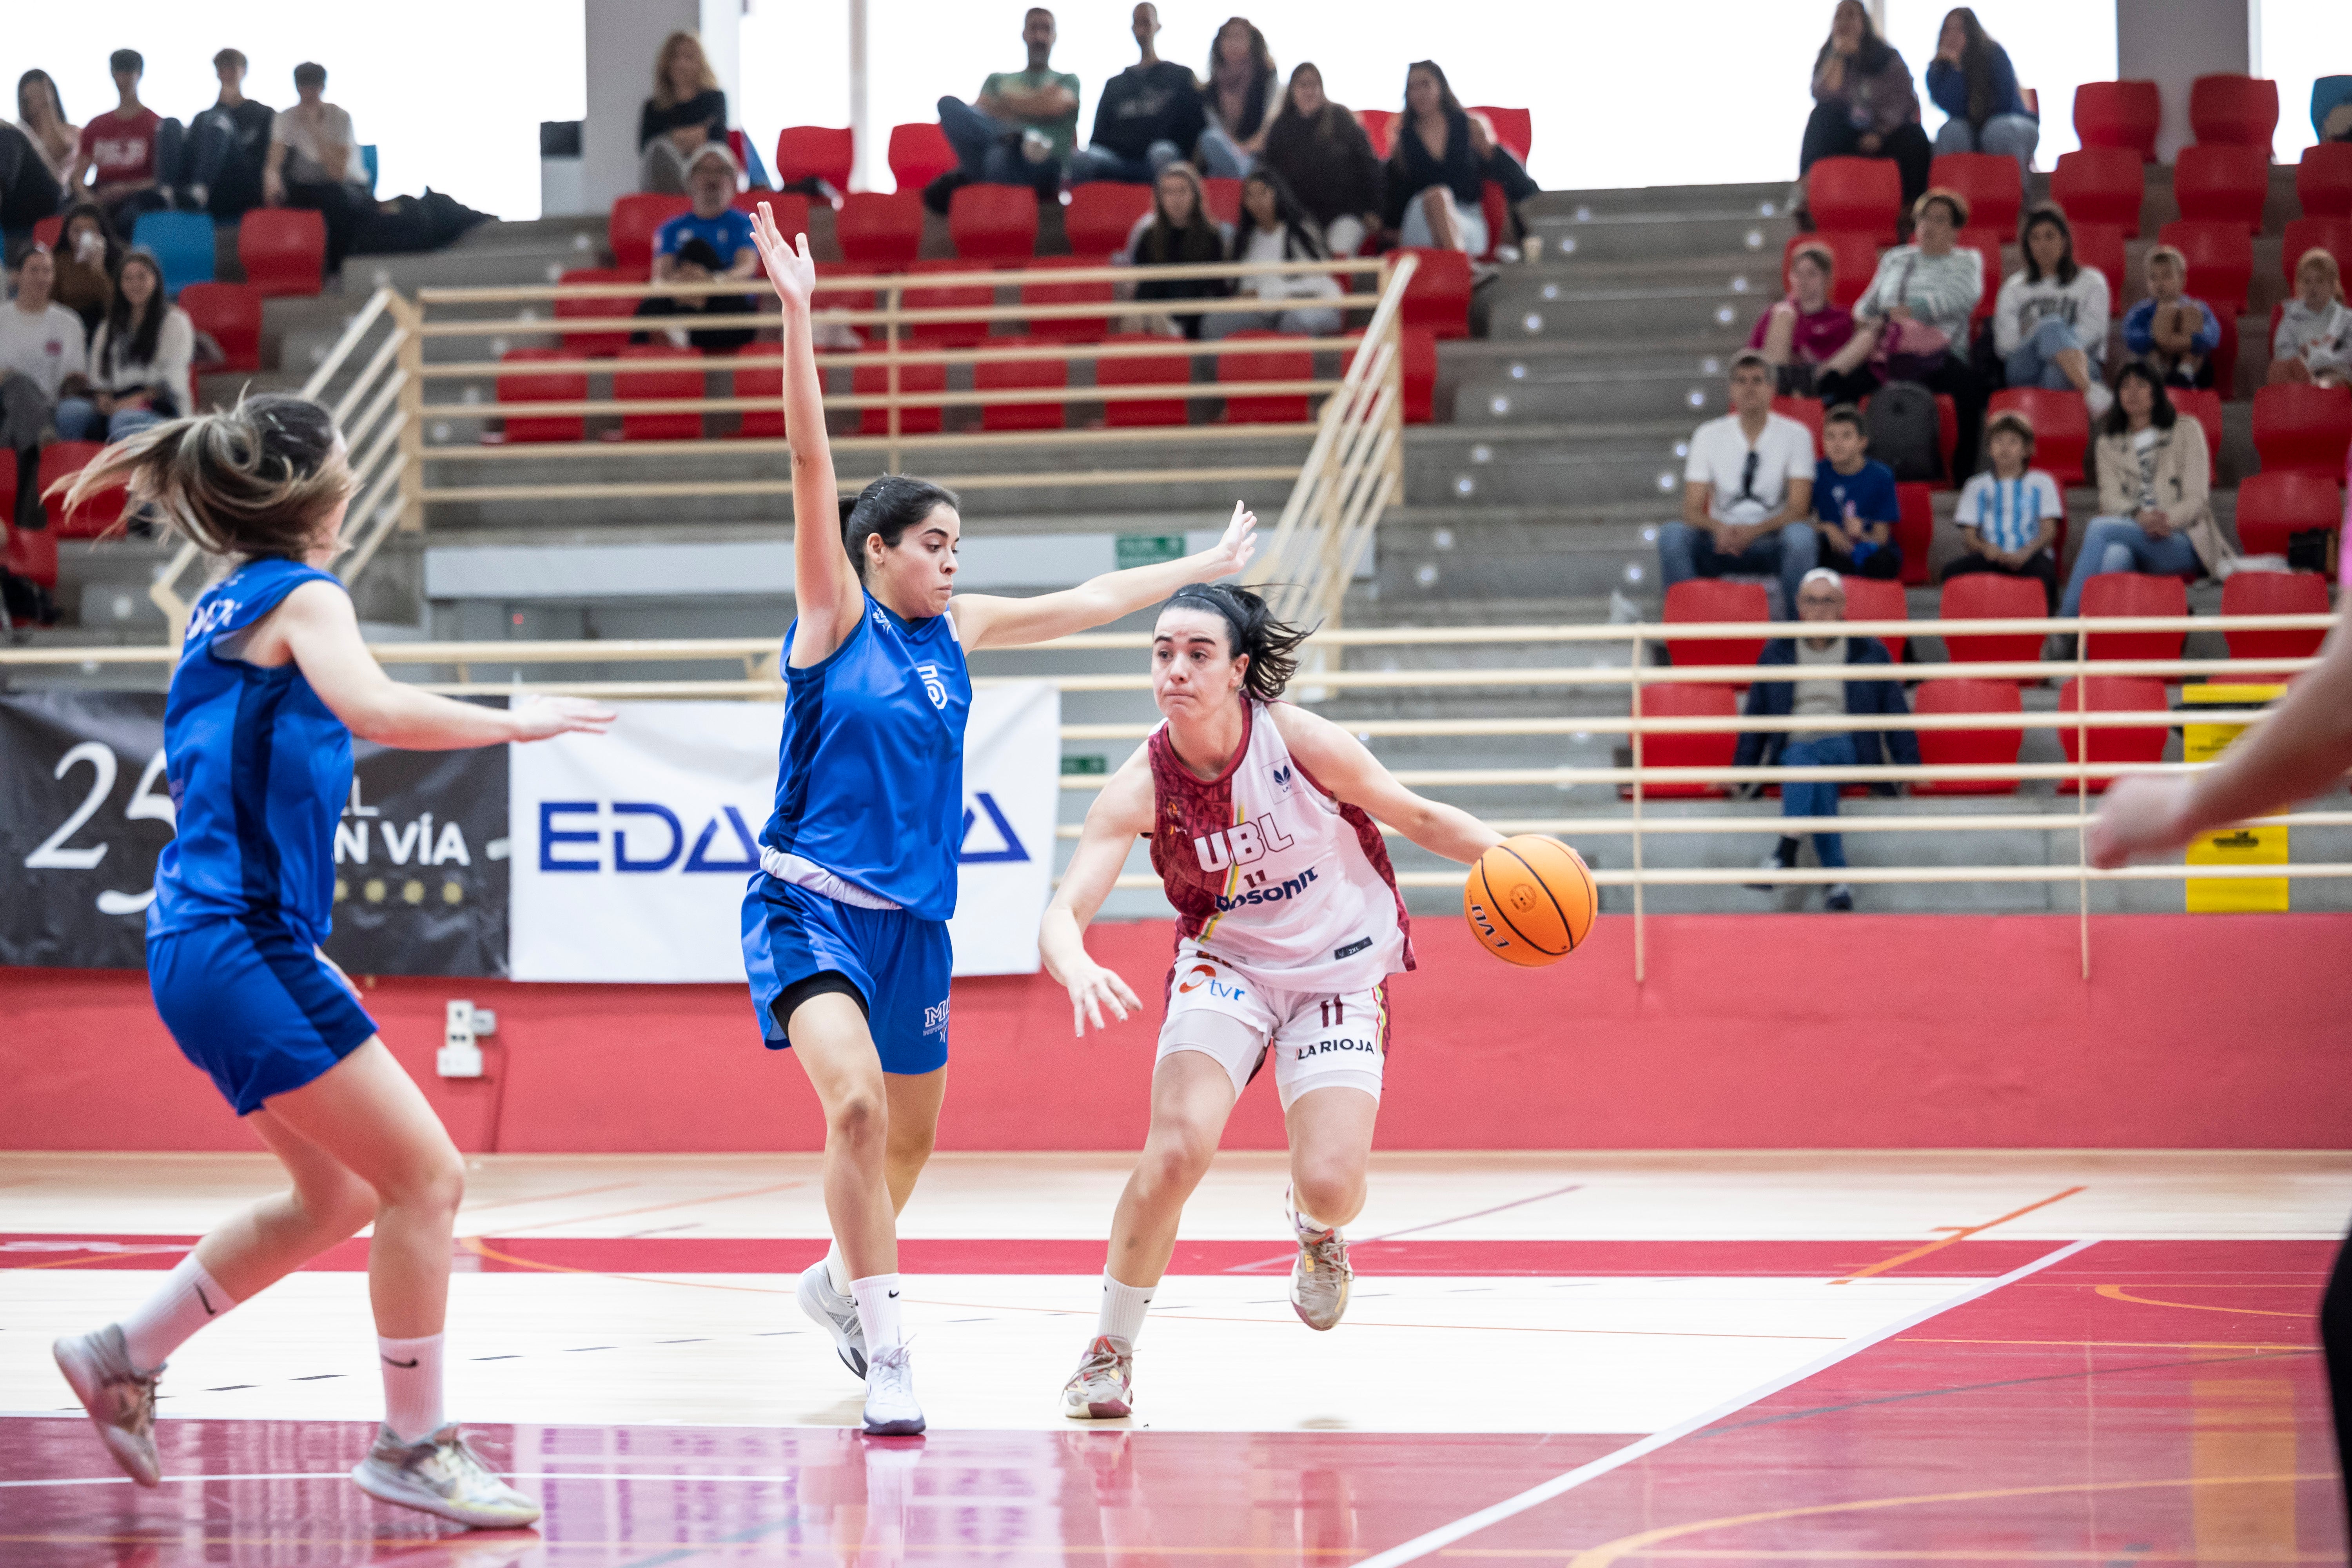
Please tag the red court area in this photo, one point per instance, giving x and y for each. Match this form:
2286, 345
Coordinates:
2132, 1402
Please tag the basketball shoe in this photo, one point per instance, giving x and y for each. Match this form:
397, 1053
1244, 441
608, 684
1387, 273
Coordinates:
1103, 1388
120, 1398
835, 1313
443, 1475
891, 1407
1320, 1278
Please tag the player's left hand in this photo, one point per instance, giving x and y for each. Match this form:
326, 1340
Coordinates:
1094, 989
1234, 551
544, 718
2141, 816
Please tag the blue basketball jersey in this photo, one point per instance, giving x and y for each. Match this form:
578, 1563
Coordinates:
870, 778
259, 770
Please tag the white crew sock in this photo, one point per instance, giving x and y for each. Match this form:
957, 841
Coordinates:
412, 1386
836, 1269
877, 1310
189, 1298
1310, 1227
1123, 1306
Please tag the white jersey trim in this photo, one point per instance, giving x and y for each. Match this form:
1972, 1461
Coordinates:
802, 872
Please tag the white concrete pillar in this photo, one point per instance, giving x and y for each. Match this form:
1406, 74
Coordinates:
722, 41
868, 157
2174, 42
623, 38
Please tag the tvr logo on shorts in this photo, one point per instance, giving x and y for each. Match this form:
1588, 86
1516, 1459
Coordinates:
1243, 844
934, 687
1205, 973
934, 1019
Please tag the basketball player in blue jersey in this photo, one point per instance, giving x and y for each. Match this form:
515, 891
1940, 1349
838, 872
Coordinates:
844, 926
272, 683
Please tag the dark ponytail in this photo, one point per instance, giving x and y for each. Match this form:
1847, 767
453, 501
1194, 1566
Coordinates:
1270, 646
889, 506
254, 479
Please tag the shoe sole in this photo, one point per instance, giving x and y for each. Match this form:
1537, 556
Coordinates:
816, 1313
71, 1367
386, 1490
1338, 1312
1099, 1410
908, 1427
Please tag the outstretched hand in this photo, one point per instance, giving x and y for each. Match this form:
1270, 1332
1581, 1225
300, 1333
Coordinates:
2141, 816
1233, 552
792, 270
544, 718
1094, 989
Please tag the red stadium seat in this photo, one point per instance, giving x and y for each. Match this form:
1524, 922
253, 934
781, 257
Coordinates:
1987, 245
1270, 357
2220, 262
789, 208
2303, 429
1805, 411
2101, 244
2204, 404
1495, 208
1045, 292
1980, 748
1717, 599
1915, 527
1862, 194
231, 312
815, 151
1379, 125
949, 333
2225, 357
1854, 258
1419, 346
630, 231
1438, 297
1514, 128
1224, 198
2113, 593
1878, 599
2234, 110
283, 250
2122, 749
2332, 235
2061, 427
993, 225
1990, 183
1687, 699
2274, 594
832, 298
1988, 596
762, 378
2125, 114
1143, 370
2100, 185
1100, 216
877, 231
1024, 374
920, 154
61, 460
2323, 180
915, 419
32, 554
2274, 507
2223, 183
524, 385
648, 385
591, 307
46, 230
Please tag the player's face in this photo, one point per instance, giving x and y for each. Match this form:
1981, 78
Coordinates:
1193, 671
329, 542
916, 577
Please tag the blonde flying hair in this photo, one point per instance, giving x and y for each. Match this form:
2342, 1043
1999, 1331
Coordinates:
255, 479
706, 80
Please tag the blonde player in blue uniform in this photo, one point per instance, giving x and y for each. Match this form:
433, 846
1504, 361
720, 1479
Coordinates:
272, 683
844, 925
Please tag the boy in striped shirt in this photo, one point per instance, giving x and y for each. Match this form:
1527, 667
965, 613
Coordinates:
2010, 516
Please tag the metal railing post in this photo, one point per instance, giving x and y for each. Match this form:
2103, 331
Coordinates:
2083, 791
1634, 687
406, 317
892, 298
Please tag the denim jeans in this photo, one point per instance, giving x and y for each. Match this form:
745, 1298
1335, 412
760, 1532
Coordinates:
1685, 553
989, 150
2119, 544
1817, 799
214, 159
1089, 164
1221, 157
2016, 135
77, 419
2034, 362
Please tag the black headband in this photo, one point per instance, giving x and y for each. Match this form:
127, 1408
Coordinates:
1202, 594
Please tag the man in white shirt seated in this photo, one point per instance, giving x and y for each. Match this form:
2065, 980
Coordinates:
41, 359
314, 162
1747, 494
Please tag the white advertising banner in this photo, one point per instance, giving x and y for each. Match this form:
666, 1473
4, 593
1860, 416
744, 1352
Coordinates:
631, 849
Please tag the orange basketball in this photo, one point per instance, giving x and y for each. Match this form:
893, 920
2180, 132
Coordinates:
1530, 899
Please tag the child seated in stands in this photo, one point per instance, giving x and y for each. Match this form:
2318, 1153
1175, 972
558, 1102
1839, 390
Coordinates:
1801, 331
2314, 339
1854, 504
2175, 334
2009, 518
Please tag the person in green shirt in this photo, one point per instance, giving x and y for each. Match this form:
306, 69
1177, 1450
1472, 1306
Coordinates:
1021, 129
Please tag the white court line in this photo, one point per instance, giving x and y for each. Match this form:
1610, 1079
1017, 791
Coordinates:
1421, 1546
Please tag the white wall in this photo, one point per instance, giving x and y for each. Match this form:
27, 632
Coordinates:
2297, 42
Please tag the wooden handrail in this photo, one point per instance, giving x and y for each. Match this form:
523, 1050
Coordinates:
1001, 277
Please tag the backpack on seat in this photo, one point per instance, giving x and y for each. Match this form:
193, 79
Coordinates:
1901, 431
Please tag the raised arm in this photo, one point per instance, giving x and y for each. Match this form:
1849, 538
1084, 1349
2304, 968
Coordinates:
985, 620
825, 581
1342, 765
1121, 813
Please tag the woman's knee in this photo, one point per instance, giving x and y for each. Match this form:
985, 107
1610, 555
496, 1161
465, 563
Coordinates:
861, 1115
1956, 136
433, 1180
1176, 1158
1331, 1188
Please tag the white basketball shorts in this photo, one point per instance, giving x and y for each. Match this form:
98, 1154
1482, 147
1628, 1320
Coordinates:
1318, 1039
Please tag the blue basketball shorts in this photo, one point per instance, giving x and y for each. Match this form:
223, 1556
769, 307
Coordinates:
256, 1006
896, 966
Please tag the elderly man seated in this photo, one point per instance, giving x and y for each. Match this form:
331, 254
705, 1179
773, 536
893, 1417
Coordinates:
1821, 597
710, 242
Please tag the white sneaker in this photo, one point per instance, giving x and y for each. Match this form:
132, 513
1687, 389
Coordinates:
835, 1313
891, 1407
2097, 399
1103, 1388
443, 1475
120, 1398
1320, 1278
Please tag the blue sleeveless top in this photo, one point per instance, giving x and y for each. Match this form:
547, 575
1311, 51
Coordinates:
869, 777
259, 772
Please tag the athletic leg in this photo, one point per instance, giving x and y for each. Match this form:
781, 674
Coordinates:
1328, 1059
912, 1105
1330, 1154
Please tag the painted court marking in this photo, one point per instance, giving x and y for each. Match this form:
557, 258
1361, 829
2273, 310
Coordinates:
1956, 1233
1423, 1545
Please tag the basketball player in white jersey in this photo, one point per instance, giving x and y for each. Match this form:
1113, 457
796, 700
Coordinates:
1262, 822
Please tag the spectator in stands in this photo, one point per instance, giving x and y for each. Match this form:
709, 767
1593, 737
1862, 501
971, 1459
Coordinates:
41, 360
2008, 516
1238, 100
42, 116
1322, 154
1855, 503
88, 255
1749, 478
138, 362
1801, 333
1178, 231
2155, 512
1021, 129
2050, 322
2174, 334
2313, 340
314, 162
686, 111
228, 146
1501, 168
710, 241
124, 150
1820, 598
29, 191
1435, 179
1146, 118
1271, 229
1863, 105
1912, 324
1971, 80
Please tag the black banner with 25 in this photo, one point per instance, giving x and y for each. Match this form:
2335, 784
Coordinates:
420, 853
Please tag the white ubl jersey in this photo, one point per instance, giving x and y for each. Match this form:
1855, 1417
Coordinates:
1270, 873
